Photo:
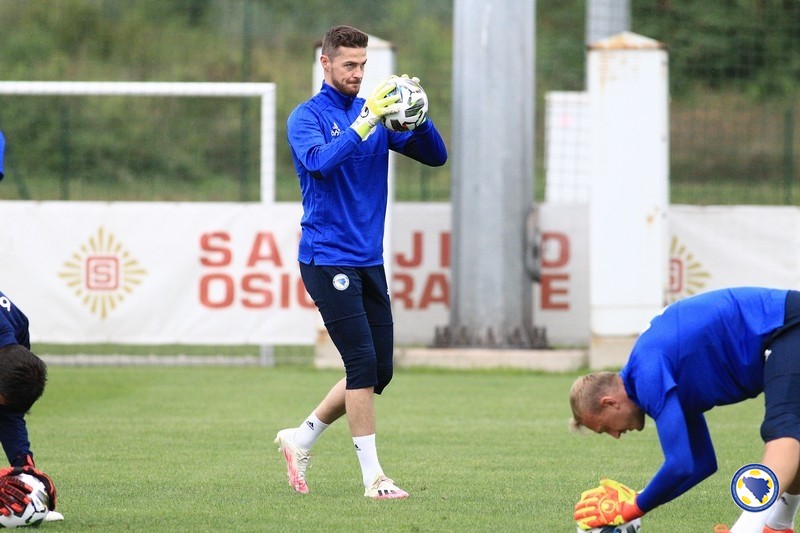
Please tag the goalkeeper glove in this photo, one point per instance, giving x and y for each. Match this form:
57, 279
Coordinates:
612, 503
377, 105
13, 495
49, 486
414, 79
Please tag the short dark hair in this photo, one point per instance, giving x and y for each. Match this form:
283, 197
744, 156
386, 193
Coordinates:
346, 36
22, 377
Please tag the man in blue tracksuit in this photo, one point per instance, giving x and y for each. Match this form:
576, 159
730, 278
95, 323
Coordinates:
22, 380
2, 153
715, 348
341, 156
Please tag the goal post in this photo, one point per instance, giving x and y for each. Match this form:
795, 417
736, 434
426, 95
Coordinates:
265, 92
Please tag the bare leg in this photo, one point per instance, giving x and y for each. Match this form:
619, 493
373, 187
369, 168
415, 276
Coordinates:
359, 404
361, 417
332, 406
782, 456
361, 411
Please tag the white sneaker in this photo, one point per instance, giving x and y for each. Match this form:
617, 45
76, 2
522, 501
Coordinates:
53, 516
383, 488
297, 459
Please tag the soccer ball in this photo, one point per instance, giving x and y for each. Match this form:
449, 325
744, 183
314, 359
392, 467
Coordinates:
36, 511
634, 526
414, 106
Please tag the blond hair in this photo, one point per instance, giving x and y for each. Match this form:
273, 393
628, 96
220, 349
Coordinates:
585, 393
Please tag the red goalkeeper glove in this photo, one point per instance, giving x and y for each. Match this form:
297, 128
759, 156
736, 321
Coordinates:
8, 473
612, 503
13, 495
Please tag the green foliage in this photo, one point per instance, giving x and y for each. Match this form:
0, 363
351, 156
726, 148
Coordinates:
725, 56
745, 44
190, 449
83, 143
734, 75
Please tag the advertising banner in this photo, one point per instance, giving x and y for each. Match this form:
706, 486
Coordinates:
142, 273
226, 273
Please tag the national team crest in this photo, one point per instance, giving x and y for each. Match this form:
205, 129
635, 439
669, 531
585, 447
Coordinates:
754, 487
341, 282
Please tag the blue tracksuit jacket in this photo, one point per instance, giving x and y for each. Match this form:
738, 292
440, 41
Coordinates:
700, 352
344, 181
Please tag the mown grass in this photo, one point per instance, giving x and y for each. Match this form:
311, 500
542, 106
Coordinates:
190, 449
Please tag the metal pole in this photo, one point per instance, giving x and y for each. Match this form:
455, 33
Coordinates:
788, 154
606, 17
493, 173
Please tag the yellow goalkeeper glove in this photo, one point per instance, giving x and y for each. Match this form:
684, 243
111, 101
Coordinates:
612, 503
414, 79
377, 105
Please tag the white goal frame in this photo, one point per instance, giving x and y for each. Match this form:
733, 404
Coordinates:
264, 91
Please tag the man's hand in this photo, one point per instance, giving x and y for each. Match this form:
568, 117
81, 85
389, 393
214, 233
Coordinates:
49, 486
13, 495
377, 105
612, 503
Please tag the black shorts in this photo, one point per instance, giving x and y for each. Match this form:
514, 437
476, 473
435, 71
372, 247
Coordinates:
357, 312
782, 376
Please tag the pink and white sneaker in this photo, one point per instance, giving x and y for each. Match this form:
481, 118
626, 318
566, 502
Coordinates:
383, 488
297, 459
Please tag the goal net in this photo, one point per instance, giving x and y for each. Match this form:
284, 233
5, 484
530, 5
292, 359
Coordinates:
139, 140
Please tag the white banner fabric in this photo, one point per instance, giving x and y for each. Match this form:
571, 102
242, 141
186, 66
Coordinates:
149, 273
226, 273
725, 246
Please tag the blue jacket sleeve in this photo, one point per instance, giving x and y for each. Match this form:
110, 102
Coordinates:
425, 145
2, 153
312, 149
688, 455
14, 437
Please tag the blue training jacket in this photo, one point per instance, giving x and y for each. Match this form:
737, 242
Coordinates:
344, 181
2, 152
13, 324
700, 352
13, 430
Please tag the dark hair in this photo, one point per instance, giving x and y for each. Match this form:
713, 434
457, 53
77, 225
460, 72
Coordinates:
22, 377
346, 36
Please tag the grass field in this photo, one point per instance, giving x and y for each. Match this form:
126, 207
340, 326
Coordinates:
190, 449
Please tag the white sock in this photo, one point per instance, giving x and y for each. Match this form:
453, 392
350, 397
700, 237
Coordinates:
750, 522
309, 431
367, 454
782, 513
